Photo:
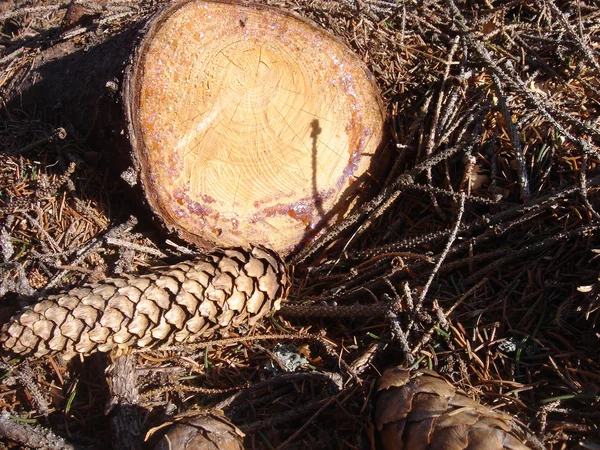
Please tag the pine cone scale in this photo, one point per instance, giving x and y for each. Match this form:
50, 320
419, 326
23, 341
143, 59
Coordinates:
206, 431
421, 410
189, 301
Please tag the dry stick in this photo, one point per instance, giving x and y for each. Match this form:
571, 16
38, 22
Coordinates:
433, 134
403, 26
334, 312
137, 247
273, 422
190, 389
563, 236
491, 233
427, 337
395, 326
312, 418
90, 247
11, 56
372, 268
585, 49
58, 133
126, 414
44, 233
376, 207
434, 272
31, 436
514, 137
190, 347
407, 182
582, 186
379, 8
513, 80
518, 210
360, 364
518, 40
283, 379
346, 290
422, 21
25, 376
532, 439
455, 195
449, 114
24, 11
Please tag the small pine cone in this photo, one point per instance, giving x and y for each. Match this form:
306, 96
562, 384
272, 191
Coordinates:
423, 411
187, 302
202, 432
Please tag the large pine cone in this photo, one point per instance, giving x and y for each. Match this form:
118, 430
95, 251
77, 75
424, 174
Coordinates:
422, 411
189, 301
202, 432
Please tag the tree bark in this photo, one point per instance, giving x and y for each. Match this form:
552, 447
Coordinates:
126, 420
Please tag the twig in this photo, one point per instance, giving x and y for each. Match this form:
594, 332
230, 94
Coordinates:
335, 312
232, 341
400, 336
31, 436
58, 133
292, 336
194, 389
529, 249
397, 332
578, 37
514, 137
520, 211
25, 376
434, 131
133, 246
360, 364
308, 422
443, 316
551, 114
44, 233
283, 379
376, 207
90, 247
24, 11
582, 187
434, 272
279, 419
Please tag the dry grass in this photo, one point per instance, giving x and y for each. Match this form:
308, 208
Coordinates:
480, 254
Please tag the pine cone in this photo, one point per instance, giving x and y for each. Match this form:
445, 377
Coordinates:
186, 302
422, 411
202, 432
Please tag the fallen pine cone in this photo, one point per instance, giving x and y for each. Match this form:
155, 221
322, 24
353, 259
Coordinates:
420, 410
208, 431
189, 301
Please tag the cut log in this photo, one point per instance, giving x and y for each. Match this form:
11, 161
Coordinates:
249, 124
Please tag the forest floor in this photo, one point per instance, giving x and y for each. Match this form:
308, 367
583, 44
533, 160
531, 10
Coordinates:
485, 232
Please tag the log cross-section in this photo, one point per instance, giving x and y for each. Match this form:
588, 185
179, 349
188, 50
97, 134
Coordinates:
249, 124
